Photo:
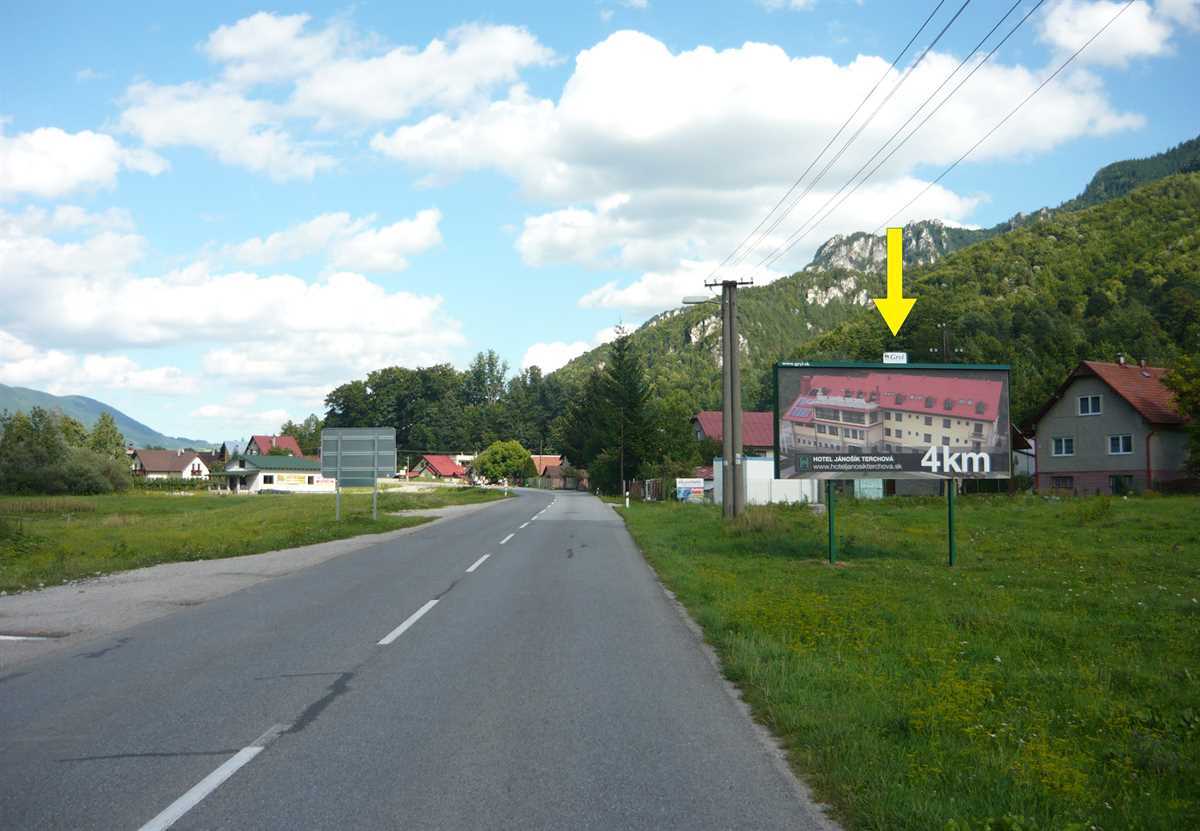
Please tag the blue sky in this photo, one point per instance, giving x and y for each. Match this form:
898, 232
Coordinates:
208, 218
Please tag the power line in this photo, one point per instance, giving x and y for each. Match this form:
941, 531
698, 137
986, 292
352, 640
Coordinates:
832, 139
813, 222
904, 77
1004, 120
986, 135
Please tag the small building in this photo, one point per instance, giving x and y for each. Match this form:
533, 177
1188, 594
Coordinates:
541, 462
758, 430
274, 474
168, 464
263, 445
1110, 428
437, 467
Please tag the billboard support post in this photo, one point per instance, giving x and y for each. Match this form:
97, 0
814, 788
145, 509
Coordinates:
337, 511
344, 455
951, 487
830, 498
375, 479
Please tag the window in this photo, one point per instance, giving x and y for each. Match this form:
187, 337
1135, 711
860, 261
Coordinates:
310, 479
928, 439
1063, 483
948, 404
945, 441
1089, 405
1120, 445
821, 428
887, 431
928, 421
975, 446
1063, 446
978, 431
268, 479
945, 424
929, 401
827, 414
1120, 484
887, 415
853, 417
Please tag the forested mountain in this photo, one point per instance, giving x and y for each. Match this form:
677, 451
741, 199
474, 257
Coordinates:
1122, 277
780, 320
87, 410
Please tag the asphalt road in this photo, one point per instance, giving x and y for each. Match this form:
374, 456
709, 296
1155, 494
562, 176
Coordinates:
552, 686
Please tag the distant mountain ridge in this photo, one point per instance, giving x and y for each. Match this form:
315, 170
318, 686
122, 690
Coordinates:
87, 410
927, 241
781, 320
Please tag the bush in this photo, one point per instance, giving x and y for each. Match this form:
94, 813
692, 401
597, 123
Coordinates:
81, 473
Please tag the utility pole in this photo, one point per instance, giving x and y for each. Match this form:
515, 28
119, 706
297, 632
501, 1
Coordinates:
733, 487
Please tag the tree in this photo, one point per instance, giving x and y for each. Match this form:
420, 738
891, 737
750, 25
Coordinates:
627, 396
483, 382
72, 430
106, 439
348, 406
1184, 381
506, 460
307, 433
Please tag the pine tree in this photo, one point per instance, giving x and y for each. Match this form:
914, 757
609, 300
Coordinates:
627, 397
106, 439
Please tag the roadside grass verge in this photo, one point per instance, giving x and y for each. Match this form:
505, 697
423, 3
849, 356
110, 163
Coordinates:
49, 540
1050, 680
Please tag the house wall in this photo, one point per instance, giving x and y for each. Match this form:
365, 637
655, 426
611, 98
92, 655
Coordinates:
1092, 464
1168, 454
186, 473
292, 481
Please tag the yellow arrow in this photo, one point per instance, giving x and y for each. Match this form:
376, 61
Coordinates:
895, 307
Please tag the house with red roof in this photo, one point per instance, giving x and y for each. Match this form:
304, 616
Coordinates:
263, 445
436, 466
541, 462
168, 464
1110, 428
758, 432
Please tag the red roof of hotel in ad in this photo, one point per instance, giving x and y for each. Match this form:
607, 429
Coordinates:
911, 393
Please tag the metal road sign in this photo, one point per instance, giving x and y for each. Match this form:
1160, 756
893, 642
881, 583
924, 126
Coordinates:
358, 456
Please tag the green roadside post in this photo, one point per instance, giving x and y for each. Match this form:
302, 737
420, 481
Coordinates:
829, 509
951, 487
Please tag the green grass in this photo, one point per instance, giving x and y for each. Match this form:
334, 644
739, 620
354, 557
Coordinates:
50, 540
1050, 680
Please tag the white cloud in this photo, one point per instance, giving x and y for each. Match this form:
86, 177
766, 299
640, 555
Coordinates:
386, 248
635, 4
1140, 32
351, 243
35, 220
553, 355
58, 371
49, 162
453, 72
88, 74
1184, 12
220, 119
652, 158
267, 47
549, 356
277, 331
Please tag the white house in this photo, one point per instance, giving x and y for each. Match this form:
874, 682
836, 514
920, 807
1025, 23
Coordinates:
290, 474
168, 464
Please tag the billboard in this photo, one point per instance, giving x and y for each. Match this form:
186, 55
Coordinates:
891, 421
689, 490
357, 456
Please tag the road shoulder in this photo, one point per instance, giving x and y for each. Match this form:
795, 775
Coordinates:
66, 616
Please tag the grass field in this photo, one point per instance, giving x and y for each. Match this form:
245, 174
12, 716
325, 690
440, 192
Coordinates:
49, 540
1051, 680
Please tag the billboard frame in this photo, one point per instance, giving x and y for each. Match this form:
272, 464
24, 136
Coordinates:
865, 365
830, 498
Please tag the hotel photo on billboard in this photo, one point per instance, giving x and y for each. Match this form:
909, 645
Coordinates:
892, 421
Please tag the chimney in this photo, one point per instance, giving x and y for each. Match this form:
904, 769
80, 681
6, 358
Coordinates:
1142, 363
1121, 360
272, 441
